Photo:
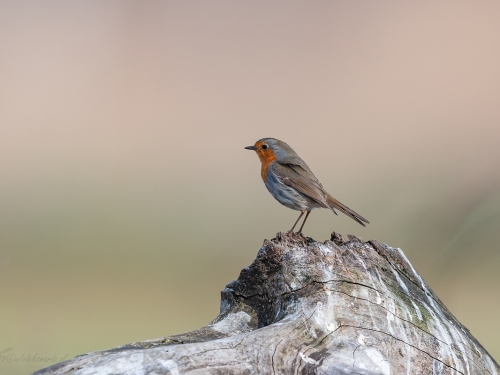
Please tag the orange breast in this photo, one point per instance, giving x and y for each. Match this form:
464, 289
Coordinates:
266, 158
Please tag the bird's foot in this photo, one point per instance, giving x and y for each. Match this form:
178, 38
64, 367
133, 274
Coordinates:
292, 234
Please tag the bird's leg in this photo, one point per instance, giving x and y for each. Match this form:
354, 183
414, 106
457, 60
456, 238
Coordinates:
291, 230
302, 226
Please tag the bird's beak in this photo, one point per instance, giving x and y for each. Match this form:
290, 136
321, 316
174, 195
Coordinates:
250, 148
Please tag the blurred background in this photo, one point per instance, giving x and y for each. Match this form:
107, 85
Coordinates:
127, 201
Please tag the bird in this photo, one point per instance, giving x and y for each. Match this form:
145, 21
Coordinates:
292, 183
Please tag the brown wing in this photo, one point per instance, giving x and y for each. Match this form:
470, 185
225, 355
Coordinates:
302, 180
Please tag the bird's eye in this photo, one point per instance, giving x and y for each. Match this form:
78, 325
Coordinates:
264, 147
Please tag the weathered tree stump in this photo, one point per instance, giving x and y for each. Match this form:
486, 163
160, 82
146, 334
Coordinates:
311, 308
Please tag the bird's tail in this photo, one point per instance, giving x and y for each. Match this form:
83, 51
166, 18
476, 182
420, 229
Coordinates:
335, 204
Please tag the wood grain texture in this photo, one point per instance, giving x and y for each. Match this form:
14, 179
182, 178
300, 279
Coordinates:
305, 307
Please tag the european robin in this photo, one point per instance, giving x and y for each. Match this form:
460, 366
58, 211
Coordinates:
291, 182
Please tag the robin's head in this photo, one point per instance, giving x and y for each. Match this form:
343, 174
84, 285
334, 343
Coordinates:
269, 149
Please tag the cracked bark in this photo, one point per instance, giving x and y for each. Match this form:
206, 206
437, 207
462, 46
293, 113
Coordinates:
304, 307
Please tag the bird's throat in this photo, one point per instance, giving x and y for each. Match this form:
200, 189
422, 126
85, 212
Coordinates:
266, 158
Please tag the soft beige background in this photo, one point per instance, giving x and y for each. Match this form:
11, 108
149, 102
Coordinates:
127, 201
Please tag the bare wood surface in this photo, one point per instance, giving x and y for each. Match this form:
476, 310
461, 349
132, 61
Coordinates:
305, 307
